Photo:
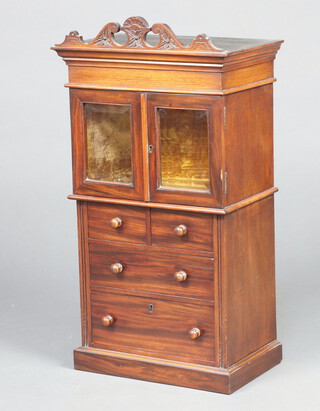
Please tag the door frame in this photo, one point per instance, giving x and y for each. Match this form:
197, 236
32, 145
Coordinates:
213, 105
83, 185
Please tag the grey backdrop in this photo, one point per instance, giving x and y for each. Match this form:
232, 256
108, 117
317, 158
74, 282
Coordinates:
39, 270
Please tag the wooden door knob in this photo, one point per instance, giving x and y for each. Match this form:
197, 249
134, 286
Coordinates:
180, 276
107, 320
194, 333
180, 230
116, 222
116, 268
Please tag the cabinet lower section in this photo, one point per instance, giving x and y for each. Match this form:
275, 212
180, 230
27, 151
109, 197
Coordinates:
196, 309
177, 373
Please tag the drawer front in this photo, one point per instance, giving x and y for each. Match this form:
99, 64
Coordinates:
182, 230
146, 269
117, 223
151, 326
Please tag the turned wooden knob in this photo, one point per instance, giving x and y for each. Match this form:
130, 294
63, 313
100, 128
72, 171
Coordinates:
180, 230
107, 320
116, 268
116, 222
194, 333
180, 276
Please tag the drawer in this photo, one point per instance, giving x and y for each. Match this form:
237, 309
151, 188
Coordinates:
168, 229
150, 270
153, 327
117, 223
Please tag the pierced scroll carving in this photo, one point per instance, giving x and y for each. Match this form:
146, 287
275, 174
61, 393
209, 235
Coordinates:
106, 36
167, 38
136, 30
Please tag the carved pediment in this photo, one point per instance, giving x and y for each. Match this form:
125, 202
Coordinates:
136, 30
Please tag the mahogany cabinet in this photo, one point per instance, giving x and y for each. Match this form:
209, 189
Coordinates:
172, 142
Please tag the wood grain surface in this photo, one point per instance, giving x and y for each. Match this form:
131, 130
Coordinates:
199, 230
150, 270
248, 143
248, 280
164, 332
177, 373
132, 230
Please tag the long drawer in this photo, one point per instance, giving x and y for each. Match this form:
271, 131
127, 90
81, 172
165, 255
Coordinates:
173, 330
142, 268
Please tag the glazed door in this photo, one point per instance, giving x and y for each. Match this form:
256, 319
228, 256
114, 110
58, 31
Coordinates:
107, 148
184, 153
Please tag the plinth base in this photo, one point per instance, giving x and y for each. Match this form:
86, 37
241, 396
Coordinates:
188, 375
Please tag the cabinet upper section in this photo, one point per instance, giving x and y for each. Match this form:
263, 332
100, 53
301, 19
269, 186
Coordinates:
155, 59
170, 120
147, 146
190, 149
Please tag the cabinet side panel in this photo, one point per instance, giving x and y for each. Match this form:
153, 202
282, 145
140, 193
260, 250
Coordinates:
83, 269
249, 143
248, 280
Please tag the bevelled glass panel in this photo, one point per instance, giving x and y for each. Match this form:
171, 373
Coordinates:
184, 148
108, 135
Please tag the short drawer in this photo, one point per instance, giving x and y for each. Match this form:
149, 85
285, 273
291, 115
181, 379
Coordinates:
154, 327
147, 269
183, 230
117, 223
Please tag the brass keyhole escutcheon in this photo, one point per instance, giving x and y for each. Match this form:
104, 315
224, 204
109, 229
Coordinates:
150, 308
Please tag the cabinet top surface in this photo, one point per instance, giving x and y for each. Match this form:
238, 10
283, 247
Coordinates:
135, 36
